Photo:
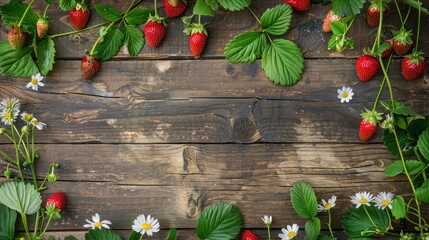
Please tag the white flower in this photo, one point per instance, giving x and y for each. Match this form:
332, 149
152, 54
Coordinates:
8, 116
96, 223
144, 225
345, 94
36, 81
383, 200
267, 220
26, 117
37, 124
325, 206
362, 198
289, 233
10, 104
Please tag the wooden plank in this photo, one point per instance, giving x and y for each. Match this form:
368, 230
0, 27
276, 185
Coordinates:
305, 31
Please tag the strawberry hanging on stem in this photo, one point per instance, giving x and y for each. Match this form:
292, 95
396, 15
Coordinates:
369, 124
197, 37
174, 8
17, 37
79, 15
373, 12
402, 41
155, 29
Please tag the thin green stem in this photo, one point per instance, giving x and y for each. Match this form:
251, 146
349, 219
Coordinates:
418, 26
7, 157
17, 148
25, 224
399, 13
99, 39
388, 81
329, 223
348, 28
269, 232
390, 219
25, 13
423, 171
199, 19
370, 218
406, 17
36, 225
46, 10
380, 90
46, 227
411, 221
76, 31
253, 13
155, 8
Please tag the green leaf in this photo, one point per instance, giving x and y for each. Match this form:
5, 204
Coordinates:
402, 109
383, 47
20, 197
110, 45
213, 4
202, 8
46, 55
404, 142
49, 2
332, 43
423, 143
138, 16
16, 63
338, 28
171, 234
246, 47
219, 222
67, 5
102, 233
394, 169
347, 7
356, 222
303, 199
276, 20
70, 237
398, 208
134, 39
134, 235
283, 62
14, 10
422, 192
416, 127
414, 167
234, 5
312, 228
7, 223
107, 12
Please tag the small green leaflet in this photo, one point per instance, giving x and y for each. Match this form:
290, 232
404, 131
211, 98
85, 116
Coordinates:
338, 28
213, 4
303, 199
235, 5
347, 7
246, 47
283, 62
7, 223
202, 8
394, 169
102, 233
171, 234
46, 55
138, 16
276, 20
108, 12
423, 144
67, 5
219, 222
14, 10
312, 228
356, 222
398, 208
16, 63
110, 45
134, 235
422, 192
134, 39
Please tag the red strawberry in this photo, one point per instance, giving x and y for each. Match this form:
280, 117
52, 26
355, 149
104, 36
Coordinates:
42, 27
249, 235
402, 41
367, 67
388, 50
79, 16
373, 13
299, 5
368, 125
17, 38
174, 8
413, 66
197, 38
330, 17
57, 199
89, 66
155, 30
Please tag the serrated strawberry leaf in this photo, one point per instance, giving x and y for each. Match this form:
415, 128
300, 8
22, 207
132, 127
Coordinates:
246, 47
16, 63
394, 169
102, 233
283, 62
359, 222
134, 39
276, 20
202, 8
347, 7
303, 199
398, 208
423, 144
108, 12
20, 197
171, 234
138, 16
312, 228
213, 4
422, 192
234, 5
67, 5
14, 10
7, 223
338, 28
46, 55
219, 222
109, 47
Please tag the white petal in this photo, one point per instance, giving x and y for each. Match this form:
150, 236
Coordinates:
340, 92
106, 222
88, 225
29, 84
105, 226
96, 218
41, 84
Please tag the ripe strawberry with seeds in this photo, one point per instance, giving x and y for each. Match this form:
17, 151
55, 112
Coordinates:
373, 13
368, 126
79, 16
89, 66
388, 50
155, 30
58, 200
402, 41
197, 38
330, 17
17, 37
299, 5
42, 27
367, 66
413, 66
174, 8
249, 235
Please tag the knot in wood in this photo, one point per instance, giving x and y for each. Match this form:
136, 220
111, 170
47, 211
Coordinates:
66, 117
77, 39
245, 129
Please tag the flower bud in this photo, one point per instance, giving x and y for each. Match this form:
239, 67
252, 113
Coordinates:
2, 131
52, 177
25, 130
7, 173
36, 155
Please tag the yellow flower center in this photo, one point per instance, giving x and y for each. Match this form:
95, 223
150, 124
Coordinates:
345, 94
8, 116
385, 202
291, 234
97, 224
34, 121
328, 206
146, 226
34, 81
363, 200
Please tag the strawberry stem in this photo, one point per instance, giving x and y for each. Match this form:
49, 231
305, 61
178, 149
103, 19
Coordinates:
399, 13
99, 39
199, 19
46, 10
380, 90
76, 31
418, 26
257, 19
25, 13
155, 9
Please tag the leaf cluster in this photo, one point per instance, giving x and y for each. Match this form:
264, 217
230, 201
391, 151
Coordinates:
282, 59
208, 7
364, 222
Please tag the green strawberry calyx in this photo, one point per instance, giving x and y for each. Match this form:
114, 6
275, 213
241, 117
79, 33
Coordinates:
371, 117
175, 3
416, 57
157, 18
375, 4
195, 28
402, 36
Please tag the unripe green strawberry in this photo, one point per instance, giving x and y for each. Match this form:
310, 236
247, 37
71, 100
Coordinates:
17, 38
89, 66
42, 27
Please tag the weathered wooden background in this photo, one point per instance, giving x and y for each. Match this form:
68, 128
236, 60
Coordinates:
167, 135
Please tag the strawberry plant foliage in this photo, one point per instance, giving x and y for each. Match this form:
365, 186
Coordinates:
234, 5
219, 222
134, 39
20, 197
16, 63
357, 223
347, 7
46, 55
276, 20
246, 47
108, 12
138, 16
13, 11
110, 44
67, 5
7, 223
303, 199
102, 233
202, 8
